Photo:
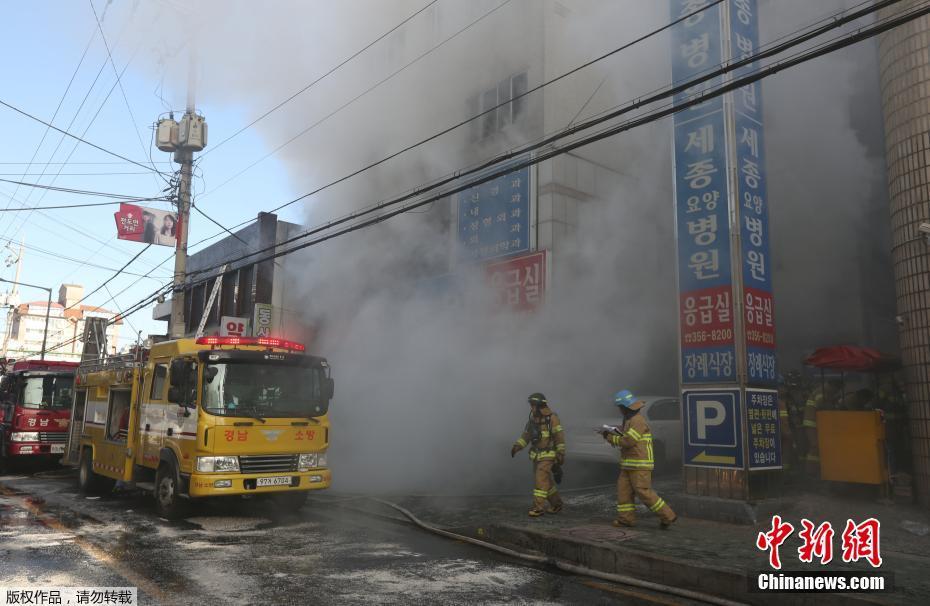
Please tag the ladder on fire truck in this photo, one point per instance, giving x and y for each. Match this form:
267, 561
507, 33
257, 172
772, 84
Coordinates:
94, 356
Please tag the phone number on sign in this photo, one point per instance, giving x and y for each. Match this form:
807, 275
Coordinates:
701, 337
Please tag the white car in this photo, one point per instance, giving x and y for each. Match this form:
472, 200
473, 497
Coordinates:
664, 416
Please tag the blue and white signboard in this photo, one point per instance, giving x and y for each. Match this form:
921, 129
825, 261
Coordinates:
713, 428
494, 217
756, 261
763, 429
705, 276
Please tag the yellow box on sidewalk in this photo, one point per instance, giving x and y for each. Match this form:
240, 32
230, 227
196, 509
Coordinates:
852, 446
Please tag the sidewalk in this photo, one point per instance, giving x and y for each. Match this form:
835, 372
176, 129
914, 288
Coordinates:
697, 554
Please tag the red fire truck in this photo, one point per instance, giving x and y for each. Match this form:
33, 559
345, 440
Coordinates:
35, 406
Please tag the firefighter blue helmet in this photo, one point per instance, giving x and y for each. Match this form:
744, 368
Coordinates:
624, 398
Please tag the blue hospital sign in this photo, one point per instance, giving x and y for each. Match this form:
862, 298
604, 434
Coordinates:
705, 274
494, 217
720, 193
713, 428
755, 258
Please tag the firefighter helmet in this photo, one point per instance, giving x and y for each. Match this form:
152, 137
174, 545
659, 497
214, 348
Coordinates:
538, 398
624, 398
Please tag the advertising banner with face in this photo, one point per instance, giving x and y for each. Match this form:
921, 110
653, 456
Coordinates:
148, 225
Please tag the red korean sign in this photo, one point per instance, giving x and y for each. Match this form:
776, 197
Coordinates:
706, 317
520, 281
148, 225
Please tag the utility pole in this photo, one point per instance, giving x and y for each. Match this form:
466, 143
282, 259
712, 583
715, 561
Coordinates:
184, 157
183, 138
48, 310
11, 300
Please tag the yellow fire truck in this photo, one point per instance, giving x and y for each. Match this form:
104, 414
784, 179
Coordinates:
204, 417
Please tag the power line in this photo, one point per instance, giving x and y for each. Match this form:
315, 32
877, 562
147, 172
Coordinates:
696, 99
110, 279
100, 174
120, 311
75, 164
68, 259
54, 115
359, 96
324, 76
50, 230
61, 139
734, 84
119, 81
453, 127
75, 137
74, 149
87, 205
217, 223
81, 192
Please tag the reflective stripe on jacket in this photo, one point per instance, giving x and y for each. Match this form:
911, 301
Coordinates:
635, 444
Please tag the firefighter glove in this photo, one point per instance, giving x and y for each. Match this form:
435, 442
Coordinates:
514, 450
560, 458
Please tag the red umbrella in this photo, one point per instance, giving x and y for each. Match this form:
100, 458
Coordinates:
852, 358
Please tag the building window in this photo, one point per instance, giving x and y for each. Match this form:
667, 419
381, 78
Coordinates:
511, 109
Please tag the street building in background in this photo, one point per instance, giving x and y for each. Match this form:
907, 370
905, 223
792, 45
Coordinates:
25, 326
253, 298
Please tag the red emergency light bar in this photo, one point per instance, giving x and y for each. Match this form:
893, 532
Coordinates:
263, 341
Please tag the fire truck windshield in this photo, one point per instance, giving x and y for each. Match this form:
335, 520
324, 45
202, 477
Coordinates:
263, 390
47, 391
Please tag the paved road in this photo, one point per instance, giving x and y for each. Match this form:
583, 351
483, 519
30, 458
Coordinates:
234, 553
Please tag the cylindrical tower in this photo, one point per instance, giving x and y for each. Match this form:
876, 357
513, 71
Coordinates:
904, 61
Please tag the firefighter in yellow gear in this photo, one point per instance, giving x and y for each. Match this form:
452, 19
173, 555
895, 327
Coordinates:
823, 397
636, 463
788, 448
544, 434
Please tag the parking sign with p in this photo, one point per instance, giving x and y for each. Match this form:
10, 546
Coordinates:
713, 428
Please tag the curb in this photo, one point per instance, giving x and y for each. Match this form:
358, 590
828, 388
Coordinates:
727, 511
723, 582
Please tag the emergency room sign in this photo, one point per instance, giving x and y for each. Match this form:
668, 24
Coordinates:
520, 282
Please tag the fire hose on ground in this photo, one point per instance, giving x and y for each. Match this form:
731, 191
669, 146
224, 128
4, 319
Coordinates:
560, 564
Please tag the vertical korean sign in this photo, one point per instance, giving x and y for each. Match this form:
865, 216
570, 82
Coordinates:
705, 280
494, 217
758, 304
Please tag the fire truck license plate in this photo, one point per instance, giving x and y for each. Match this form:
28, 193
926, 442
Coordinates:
58, 448
281, 481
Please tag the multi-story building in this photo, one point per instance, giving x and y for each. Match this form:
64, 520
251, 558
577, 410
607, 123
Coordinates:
604, 211
26, 326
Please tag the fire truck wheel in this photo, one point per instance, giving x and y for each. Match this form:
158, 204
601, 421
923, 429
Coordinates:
88, 481
167, 501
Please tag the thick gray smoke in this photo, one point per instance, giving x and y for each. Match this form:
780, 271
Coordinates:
431, 389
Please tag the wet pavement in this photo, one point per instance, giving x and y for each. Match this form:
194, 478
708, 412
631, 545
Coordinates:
904, 536
233, 552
